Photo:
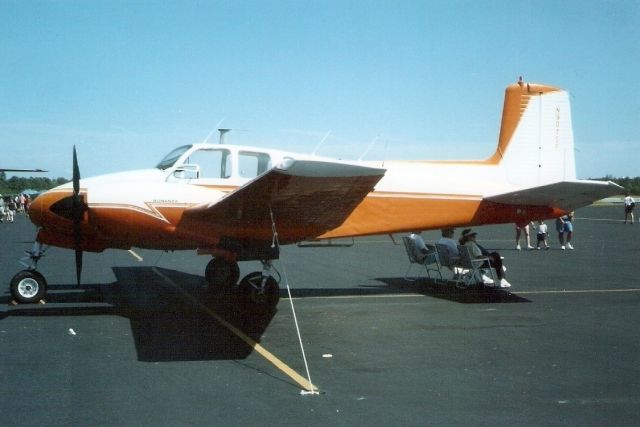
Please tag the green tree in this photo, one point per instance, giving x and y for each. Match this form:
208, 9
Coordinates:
15, 185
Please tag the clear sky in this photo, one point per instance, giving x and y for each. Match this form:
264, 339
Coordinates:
126, 81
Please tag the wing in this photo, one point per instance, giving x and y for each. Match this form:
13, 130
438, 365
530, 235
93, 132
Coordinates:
567, 196
21, 170
302, 198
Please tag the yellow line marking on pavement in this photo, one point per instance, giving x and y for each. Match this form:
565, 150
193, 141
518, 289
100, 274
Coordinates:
580, 291
514, 291
303, 382
135, 255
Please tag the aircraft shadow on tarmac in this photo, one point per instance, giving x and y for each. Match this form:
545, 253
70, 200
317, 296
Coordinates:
171, 317
423, 286
466, 295
168, 323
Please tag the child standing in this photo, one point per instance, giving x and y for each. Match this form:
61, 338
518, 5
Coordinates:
541, 234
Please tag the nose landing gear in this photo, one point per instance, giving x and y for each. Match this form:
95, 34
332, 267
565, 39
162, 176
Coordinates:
29, 286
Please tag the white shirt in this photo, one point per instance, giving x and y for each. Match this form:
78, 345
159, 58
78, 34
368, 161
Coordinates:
451, 244
542, 228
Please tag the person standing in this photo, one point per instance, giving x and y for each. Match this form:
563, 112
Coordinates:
523, 227
10, 209
564, 226
541, 235
2, 209
629, 206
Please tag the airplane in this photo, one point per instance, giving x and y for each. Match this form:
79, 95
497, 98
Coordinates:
239, 203
21, 170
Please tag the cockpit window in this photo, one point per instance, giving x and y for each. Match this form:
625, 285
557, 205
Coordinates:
253, 164
211, 163
172, 157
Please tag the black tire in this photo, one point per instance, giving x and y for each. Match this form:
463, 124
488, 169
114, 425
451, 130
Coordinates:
221, 275
254, 296
28, 286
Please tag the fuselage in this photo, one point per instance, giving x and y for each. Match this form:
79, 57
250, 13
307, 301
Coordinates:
144, 208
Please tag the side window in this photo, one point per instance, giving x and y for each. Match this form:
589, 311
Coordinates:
253, 164
212, 163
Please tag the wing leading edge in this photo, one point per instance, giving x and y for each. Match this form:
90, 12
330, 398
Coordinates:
305, 198
566, 196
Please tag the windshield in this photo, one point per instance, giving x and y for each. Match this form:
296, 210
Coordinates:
171, 158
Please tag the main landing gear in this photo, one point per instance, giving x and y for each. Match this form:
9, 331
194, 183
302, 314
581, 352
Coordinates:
258, 290
29, 286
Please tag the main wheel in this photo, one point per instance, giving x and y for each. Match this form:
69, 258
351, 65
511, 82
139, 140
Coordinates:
28, 286
257, 294
221, 275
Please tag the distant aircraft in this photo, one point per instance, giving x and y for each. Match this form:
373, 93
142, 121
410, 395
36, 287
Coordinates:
240, 203
21, 170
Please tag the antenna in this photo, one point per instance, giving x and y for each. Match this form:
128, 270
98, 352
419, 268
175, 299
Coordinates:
320, 143
223, 132
369, 147
206, 140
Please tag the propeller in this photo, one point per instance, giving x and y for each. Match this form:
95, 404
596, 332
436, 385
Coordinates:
73, 208
78, 208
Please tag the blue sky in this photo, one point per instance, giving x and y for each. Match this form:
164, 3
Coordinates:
126, 81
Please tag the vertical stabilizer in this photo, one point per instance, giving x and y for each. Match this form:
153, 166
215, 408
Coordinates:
535, 146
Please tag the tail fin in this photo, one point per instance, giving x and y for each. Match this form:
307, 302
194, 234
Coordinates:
535, 146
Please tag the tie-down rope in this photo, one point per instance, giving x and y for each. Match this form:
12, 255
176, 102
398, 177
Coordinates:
275, 242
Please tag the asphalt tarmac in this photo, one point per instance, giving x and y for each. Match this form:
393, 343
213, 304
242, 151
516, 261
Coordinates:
142, 342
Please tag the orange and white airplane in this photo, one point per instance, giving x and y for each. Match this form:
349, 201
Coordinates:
240, 203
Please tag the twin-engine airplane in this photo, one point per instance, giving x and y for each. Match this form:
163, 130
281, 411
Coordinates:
241, 203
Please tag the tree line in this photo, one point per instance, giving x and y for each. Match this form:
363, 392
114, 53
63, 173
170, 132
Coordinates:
631, 185
15, 184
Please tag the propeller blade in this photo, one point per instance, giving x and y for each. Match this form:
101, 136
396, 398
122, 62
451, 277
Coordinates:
77, 235
76, 173
78, 208
78, 266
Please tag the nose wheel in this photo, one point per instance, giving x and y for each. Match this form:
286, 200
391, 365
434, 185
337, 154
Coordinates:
28, 286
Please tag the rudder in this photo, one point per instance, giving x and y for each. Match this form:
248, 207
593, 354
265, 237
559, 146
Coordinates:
536, 146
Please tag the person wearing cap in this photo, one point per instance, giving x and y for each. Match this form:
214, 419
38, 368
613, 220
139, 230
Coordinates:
468, 238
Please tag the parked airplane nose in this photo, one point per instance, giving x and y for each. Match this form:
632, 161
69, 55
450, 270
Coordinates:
37, 207
63, 207
51, 206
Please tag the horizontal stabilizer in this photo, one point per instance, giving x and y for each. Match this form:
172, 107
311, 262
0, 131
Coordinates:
305, 198
567, 195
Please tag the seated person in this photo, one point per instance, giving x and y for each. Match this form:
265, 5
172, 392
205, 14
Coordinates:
449, 242
420, 245
468, 238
